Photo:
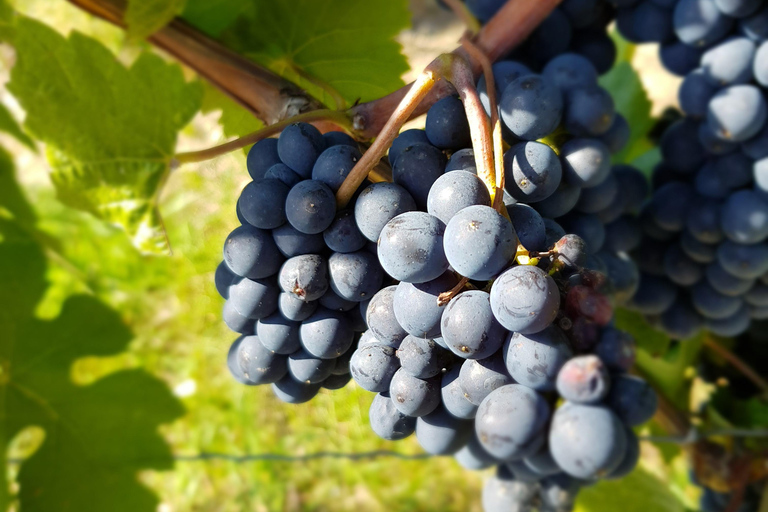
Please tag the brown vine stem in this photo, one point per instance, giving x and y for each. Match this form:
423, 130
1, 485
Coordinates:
737, 363
383, 141
338, 118
497, 194
461, 11
445, 297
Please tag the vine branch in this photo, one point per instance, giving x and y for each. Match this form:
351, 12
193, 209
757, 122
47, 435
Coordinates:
737, 363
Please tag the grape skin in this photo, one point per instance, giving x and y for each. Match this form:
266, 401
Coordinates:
534, 360
469, 328
525, 299
411, 247
416, 306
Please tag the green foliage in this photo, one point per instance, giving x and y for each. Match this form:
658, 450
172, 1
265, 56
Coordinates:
9, 125
110, 130
647, 338
334, 43
213, 16
97, 436
235, 120
638, 492
631, 100
145, 17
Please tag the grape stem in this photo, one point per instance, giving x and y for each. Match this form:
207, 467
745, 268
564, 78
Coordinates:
461, 11
383, 141
497, 186
336, 117
736, 362
445, 297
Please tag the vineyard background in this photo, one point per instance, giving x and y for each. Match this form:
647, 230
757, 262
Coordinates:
173, 310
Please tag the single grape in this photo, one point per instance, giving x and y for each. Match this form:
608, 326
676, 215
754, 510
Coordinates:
631, 456
372, 367
479, 242
422, 358
446, 124
416, 305
381, 320
587, 441
570, 71
733, 325
525, 299
469, 328
598, 47
510, 420
326, 334
738, 8
343, 235
291, 391
725, 283
411, 247
712, 304
337, 139
387, 422
299, 145
508, 495
616, 349
355, 276
737, 113
531, 107
452, 395
679, 58
293, 308
599, 197
237, 322
250, 252
378, 204
406, 139
589, 111
504, 73
681, 269
292, 242
617, 135
586, 162
440, 433
654, 295
284, 174
681, 321
478, 377
306, 368
334, 164
257, 364
416, 169
413, 396
261, 157
700, 23
305, 276
278, 334
681, 147
694, 94
310, 206
560, 202
462, 160
583, 380
534, 360
454, 191
223, 278
744, 261
729, 62
632, 399
474, 457
535, 171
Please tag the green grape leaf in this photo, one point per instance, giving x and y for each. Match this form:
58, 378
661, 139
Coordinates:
631, 100
333, 45
145, 17
235, 120
646, 337
213, 16
668, 372
110, 130
9, 125
640, 491
98, 436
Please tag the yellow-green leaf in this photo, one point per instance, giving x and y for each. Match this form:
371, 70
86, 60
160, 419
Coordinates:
145, 17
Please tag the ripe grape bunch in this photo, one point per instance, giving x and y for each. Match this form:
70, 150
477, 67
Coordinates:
704, 254
483, 327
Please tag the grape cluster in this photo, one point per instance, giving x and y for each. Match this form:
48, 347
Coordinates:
480, 375
296, 270
704, 254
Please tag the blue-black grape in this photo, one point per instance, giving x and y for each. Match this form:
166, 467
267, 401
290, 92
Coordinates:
598, 47
422, 357
462, 160
406, 139
700, 23
223, 278
413, 396
681, 269
510, 421
757, 295
469, 328
452, 395
681, 148
334, 164
381, 320
262, 203
760, 65
410, 247
737, 113
343, 235
729, 62
507, 495
474, 457
553, 232
355, 276
372, 366
334, 381
484, 10
562, 200
454, 191
681, 321
617, 135
694, 94
744, 217
551, 38
654, 295
586, 162
589, 111
337, 139
305, 276
583, 380
278, 334
257, 364
599, 197
725, 283
479, 242
631, 456
679, 58
533, 171
291, 391
292, 242
525, 299
755, 26
387, 422
670, 204
309, 369
738, 8
416, 169
478, 377
733, 325
712, 304
616, 349
295, 309
570, 71
310, 207
744, 261
251, 252
299, 145
440, 433
446, 125
531, 107
237, 322
378, 204
284, 174
632, 399
504, 73
623, 234
326, 334
416, 305
588, 227
261, 157
534, 360
587, 441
